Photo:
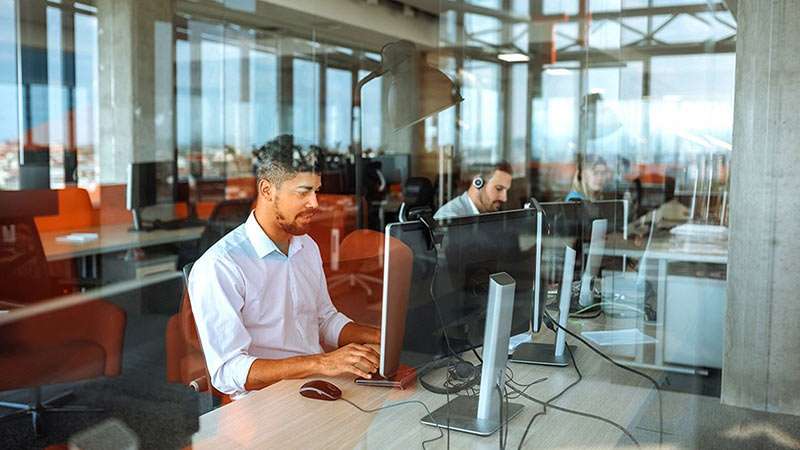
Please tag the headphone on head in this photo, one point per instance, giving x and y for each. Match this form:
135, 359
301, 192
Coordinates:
478, 182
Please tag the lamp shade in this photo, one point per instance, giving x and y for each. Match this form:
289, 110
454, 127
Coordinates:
417, 90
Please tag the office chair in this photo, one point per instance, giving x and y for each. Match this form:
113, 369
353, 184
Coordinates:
417, 197
186, 363
75, 343
360, 255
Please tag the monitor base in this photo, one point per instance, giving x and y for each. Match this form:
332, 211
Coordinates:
543, 354
463, 413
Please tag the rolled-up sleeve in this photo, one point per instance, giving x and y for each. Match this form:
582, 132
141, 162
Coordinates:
331, 321
216, 292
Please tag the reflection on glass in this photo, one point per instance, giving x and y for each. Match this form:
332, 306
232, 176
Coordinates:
338, 101
305, 91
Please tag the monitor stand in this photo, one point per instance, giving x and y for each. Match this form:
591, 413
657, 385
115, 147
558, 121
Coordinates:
137, 221
552, 354
481, 415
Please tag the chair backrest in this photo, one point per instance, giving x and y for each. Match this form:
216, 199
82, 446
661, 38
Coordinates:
188, 327
362, 245
227, 215
417, 193
26, 278
75, 210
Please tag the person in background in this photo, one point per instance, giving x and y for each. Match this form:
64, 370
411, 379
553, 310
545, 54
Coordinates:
487, 193
259, 295
588, 183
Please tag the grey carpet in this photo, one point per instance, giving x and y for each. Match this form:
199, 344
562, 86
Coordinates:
163, 415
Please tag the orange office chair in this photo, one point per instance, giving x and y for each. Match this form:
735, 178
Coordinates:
75, 210
185, 361
76, 343
361, 261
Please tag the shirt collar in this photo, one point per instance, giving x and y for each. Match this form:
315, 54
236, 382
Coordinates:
262, 243
471, 204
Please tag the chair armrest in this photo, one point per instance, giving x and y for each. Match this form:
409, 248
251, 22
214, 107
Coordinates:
199, 384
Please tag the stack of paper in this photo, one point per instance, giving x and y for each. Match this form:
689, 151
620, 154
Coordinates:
78, 238
618, 337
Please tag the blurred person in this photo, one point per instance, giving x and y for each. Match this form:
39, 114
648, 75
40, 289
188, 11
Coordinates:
259, 295
487, 192
592, 176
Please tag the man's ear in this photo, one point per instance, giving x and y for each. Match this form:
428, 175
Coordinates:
266, 189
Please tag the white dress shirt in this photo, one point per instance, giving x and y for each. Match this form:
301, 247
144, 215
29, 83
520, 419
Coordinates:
459, 206
251, 301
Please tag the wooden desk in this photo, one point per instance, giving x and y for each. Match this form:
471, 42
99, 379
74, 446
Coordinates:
111, 238
278, 417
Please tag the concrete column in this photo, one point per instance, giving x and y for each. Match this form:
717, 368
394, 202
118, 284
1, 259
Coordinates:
136, 84
761, 358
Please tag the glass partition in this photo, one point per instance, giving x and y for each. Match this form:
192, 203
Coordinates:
132, 132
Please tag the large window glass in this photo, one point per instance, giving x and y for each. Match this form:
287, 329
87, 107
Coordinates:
305, 94
338, 100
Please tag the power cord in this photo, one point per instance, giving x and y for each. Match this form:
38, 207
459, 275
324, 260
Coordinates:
624, 367
579, 413
557, 396
407, 402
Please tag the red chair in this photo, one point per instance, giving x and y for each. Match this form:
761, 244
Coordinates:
75, 210
76, 343
185, 361
361, 261
60, 345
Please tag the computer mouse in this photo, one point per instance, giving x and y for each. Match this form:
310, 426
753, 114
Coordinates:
321, 390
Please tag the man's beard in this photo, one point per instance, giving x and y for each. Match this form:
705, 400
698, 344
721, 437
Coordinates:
292, 226
489, 205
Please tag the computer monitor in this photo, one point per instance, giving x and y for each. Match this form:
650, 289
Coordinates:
395, 168
575, 224
614, 211
472, 249
150, 183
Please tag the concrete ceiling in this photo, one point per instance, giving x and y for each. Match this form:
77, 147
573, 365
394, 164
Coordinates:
351, 23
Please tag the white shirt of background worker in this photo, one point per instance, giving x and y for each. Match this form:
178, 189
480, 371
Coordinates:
487, 193
259, 295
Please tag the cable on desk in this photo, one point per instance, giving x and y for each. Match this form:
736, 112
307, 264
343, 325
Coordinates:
579, 413
505, 435
500, 431
446, 338
556, 397
624, 367
407, 402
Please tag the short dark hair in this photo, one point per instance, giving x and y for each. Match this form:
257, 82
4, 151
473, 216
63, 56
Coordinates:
282, 159
487, 172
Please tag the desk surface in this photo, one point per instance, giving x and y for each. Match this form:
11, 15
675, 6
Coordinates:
278, 417
661, 248
111, 238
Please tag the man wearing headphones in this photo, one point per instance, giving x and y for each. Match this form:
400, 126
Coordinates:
487, 193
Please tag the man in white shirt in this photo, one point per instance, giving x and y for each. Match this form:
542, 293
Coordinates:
259, 295
487, 193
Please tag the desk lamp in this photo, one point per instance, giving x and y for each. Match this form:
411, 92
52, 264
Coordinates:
417, 92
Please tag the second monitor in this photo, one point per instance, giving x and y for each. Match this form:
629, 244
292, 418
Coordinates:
435, 301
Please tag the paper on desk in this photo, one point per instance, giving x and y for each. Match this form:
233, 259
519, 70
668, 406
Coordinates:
77, 237
619, 337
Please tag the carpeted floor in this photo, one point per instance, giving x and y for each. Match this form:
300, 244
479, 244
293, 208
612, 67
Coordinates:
693, 420
162, 415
